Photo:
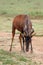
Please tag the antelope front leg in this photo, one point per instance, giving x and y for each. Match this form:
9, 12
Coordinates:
12, 41
31, 46
13, 33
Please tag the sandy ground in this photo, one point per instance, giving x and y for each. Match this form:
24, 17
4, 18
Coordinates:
37, 42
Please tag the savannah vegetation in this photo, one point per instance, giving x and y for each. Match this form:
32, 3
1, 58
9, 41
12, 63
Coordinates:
8, 10
15, 7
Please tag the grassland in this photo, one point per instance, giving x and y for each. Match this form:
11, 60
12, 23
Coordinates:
14, 58
15, 7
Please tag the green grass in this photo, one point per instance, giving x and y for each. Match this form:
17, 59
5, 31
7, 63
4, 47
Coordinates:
15, 7
38, 27
14, 58
5, 24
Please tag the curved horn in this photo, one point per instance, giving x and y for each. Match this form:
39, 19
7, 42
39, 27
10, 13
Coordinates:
33, 34
32, 30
